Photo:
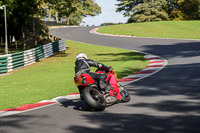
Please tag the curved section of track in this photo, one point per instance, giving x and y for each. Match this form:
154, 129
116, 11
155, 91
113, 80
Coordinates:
167, 101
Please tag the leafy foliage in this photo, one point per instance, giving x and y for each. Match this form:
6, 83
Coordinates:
24, 17
147, 12
127, 6
74, 10
190, 9
157, 10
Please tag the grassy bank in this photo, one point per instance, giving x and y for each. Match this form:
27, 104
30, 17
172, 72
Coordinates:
163, 29
53, 76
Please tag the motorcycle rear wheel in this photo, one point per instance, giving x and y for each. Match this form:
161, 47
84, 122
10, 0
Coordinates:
94, 98
124, 94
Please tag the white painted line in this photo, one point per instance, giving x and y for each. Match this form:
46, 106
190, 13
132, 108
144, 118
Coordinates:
153, 64
7, 113
151, 68
136, 76
155, 60
94, 31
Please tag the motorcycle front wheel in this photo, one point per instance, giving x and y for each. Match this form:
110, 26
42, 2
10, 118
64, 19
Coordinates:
124, 94
94, 98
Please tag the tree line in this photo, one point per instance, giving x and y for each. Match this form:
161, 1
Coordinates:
25, 17
157, 10
72, 10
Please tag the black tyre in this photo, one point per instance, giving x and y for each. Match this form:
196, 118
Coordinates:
124, 94
94, 98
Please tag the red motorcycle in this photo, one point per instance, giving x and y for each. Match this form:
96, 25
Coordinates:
99, 99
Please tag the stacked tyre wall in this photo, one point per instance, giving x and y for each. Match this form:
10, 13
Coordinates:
14, 61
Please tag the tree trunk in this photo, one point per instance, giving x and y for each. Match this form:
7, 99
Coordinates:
49, 18
24, 39
68, 21
34, 33
56, 15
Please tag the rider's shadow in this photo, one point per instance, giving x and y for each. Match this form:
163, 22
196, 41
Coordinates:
79, 105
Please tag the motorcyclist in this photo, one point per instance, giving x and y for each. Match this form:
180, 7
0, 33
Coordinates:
83, 64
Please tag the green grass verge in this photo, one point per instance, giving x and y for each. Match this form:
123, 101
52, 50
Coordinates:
163, 29
53, 76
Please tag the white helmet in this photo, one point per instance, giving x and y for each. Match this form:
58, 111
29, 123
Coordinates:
81, 56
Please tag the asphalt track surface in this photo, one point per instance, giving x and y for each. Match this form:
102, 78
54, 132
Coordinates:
166, 102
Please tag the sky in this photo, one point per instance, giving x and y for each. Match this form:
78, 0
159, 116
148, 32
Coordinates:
108, 9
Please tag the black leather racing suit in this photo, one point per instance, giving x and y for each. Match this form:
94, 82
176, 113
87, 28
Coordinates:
83, 66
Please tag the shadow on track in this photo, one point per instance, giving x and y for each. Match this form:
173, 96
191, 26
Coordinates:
129, 123
167, 102
184, 49
18, 122
79, 105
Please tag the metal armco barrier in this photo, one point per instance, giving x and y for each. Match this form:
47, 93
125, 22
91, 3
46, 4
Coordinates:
13, 61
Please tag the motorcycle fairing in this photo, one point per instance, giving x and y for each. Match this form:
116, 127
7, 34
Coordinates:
114, 91
88, 78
